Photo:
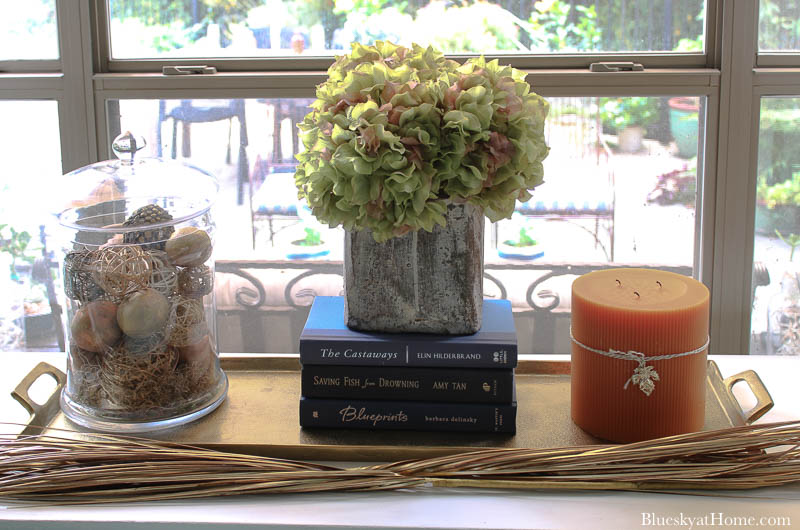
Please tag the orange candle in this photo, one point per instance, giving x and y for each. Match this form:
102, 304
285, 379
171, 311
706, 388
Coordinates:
640, 338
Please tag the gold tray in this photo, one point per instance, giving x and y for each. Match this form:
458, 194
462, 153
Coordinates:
260, 415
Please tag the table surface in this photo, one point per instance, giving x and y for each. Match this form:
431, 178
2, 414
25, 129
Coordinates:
442, 508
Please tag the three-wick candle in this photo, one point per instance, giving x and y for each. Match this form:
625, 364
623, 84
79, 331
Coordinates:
639, 344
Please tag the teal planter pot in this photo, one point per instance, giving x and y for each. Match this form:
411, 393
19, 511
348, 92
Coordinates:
683, 122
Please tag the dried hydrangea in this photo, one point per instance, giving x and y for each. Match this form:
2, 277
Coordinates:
395, 134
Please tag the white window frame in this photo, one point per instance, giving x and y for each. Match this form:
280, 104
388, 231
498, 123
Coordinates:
730, 74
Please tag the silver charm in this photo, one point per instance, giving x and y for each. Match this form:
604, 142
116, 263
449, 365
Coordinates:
644, 376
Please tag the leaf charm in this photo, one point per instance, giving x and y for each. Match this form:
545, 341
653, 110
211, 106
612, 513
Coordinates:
644, 376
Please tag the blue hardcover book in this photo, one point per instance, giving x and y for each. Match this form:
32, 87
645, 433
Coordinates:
326, 340
408, 415
455, 385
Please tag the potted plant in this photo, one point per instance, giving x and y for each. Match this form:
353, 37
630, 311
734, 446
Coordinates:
784, 308
13, 248
311, 246
408, 150
683, 120
523, 246
629, 118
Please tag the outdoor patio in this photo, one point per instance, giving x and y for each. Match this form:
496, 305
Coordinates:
581, 168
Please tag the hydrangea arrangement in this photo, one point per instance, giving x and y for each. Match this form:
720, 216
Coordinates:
395, 134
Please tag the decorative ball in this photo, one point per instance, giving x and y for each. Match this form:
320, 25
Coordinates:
122, 270
199, 353
164, 277
188, 321
94, 326
149, 214
143, 313
79, 283
195, 282
189, 247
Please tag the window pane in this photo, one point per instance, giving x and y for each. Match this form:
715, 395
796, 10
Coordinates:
32, 158
32, 155
161, 28
779, 25
775, 320
28, 31
619, 189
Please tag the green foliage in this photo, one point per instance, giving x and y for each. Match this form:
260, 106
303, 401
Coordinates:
793, 240
524, 239
16, 245
464, 25
312, 238
480, 27
167, 25
368, 7
559, 28
690, 45
396, 134
778, 158
778, 25
618, 113
780, 194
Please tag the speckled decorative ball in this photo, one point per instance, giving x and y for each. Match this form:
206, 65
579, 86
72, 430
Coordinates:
143, 313
94, 326
195, 282
188, 247
149, 214
79, 284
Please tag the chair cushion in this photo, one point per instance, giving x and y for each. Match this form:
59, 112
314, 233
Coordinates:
564, 207
276, 196
570, 197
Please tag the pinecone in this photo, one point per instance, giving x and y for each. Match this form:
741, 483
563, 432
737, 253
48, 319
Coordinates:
148, 215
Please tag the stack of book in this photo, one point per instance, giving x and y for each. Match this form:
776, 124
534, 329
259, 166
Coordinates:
364, 380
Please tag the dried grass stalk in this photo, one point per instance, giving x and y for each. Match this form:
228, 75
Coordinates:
54, 470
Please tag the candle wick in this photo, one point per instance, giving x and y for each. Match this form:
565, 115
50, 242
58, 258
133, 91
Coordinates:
659, 284
637, 294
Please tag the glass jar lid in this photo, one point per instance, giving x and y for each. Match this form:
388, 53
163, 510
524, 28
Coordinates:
100, 197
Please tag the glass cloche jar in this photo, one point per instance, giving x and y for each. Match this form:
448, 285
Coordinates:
137, 240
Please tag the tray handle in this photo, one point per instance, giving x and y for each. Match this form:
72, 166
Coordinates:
42, 414
763, 399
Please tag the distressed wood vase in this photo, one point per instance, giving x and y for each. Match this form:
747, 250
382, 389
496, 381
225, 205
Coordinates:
422, 282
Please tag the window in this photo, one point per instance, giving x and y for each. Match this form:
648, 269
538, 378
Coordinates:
158, 29
29, 31
775, 326
778, 26
686, 195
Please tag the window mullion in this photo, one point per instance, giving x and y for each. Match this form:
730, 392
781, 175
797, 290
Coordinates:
734, 220
76, 108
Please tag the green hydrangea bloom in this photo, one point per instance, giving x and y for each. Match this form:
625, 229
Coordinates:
395, 134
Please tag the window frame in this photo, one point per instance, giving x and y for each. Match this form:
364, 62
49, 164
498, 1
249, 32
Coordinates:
731, 73
107, 64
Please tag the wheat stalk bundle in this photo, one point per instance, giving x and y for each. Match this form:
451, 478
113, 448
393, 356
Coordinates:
104, 468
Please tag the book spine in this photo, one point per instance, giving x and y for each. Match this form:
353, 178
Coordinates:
383, 353
411, 384
407, 415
